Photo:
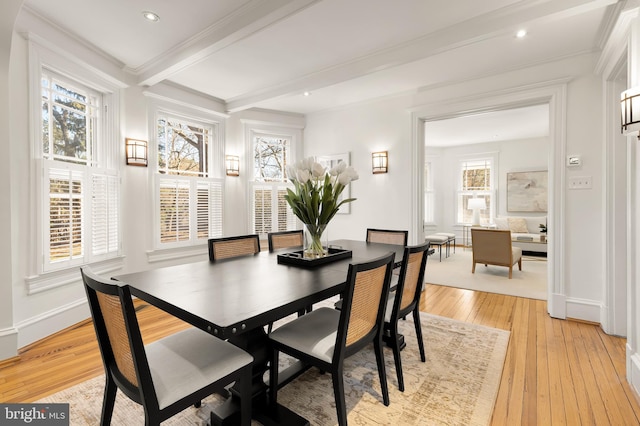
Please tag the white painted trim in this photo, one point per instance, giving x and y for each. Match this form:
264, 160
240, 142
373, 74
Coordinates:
47, 323
201, 251
39, 283
633, 370
552, 92
584, 309
8, 343
559, 301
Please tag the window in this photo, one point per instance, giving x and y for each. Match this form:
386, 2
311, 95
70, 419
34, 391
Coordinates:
270, 212
81, 185
189, 188
476, 180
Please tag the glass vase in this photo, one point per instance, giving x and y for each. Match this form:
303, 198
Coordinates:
316, 242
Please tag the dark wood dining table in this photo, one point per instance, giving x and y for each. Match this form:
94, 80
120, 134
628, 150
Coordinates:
235, 298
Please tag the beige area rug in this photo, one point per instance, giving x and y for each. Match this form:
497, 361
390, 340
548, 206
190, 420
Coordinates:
456, 386
455, 271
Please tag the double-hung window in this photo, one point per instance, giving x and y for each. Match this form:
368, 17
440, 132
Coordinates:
269, 209
476, 181
80, 184
189, 187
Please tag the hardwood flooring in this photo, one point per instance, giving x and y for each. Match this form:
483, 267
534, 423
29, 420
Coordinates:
556, 372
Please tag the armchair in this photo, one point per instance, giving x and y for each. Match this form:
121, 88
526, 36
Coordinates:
493, 247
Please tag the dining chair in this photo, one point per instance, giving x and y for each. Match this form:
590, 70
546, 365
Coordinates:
406, 300
165, 376
325, 337
285, 239
387, 236
227, 247
282, 240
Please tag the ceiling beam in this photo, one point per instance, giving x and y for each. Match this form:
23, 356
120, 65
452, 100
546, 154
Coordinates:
505, 21
249, 19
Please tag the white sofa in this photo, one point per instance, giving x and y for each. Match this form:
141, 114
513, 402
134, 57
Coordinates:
518, 225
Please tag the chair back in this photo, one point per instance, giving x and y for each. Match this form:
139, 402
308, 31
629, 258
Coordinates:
491, 245
362, 313
409, 286
285, 239
119, 337
387, 236
224, 248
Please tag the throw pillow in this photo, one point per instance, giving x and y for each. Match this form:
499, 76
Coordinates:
518, 225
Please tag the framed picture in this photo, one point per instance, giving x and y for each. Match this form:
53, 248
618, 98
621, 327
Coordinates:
330, 161
527, 191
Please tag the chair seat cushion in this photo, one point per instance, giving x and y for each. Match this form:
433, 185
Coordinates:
190, 360
436, 239
314, 333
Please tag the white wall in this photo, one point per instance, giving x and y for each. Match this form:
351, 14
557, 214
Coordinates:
387, 202
511, 156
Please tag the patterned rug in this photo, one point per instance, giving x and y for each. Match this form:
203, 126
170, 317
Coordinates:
456, 386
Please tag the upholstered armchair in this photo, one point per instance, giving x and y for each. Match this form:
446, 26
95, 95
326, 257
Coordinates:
493, 247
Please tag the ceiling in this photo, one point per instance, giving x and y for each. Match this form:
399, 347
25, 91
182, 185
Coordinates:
268, 53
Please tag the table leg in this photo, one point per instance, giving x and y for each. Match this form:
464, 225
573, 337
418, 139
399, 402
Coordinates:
256, 342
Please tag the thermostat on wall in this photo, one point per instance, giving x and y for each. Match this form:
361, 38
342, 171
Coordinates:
574, 160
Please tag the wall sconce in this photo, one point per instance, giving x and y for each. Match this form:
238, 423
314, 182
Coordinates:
630, 109
233, 165
379, 162
136, 152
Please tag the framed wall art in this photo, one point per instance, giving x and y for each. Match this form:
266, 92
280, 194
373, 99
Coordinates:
330, 161
527, 191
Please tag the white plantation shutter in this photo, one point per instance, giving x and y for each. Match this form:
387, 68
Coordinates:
82, 223
209, 209
190, 209
262, 206
64, 226
286, 218
105, 213
271, 212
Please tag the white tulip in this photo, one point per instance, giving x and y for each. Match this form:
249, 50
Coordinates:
303, 175
353, 174
291, 171
317, 170
338, 168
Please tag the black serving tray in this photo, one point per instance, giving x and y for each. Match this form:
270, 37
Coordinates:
296, 258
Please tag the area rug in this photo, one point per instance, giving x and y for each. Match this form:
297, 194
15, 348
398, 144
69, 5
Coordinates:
455, 271
456, 386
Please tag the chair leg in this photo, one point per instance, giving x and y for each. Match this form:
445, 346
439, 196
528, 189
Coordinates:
396, 356
338, 391
377, 346
108, 400
418, 325
473, 268
510, 271
273, 378
520, 264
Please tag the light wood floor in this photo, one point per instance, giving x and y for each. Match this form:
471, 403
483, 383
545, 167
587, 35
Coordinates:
556, 372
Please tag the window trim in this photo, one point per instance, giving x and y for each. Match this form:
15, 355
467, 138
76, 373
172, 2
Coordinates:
165, 107
492, 158
252, 129
40, 277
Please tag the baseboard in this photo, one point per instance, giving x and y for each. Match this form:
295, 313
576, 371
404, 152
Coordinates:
584, 309
43, 325
633, 370
8, 343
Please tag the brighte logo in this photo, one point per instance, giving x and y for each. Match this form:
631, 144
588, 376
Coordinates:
38, 414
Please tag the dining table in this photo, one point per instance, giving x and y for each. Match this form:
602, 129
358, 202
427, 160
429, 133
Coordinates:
234, 299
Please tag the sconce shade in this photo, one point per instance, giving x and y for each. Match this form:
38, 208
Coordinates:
630, 110
379, 162
233, 165
136, 152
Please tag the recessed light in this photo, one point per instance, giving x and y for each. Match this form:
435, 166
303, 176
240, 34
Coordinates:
307, 93
521, 33
150, 16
